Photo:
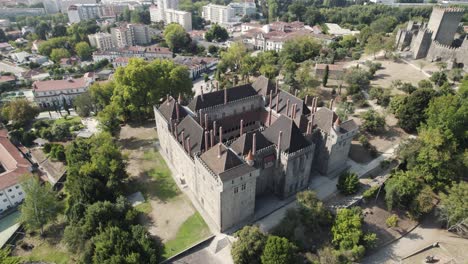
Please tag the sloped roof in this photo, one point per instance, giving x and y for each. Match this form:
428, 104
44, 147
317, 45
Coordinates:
217, 97
263, 85
220, 164
168, 109
324, 119
292, 139
243, 144
191, 129
13, 162
301, 108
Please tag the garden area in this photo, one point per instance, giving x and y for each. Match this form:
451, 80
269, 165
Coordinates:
181, 225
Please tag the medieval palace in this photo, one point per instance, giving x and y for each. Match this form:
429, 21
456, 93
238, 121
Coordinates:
231, 146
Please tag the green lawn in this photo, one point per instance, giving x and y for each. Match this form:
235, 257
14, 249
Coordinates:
193, 230
161, 185
73, 120
144, 208
45, 252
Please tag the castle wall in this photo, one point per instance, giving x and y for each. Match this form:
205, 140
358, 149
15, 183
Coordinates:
238, 200
421, 44
446, 53
339, 146
265, 160
444, 23
297, 167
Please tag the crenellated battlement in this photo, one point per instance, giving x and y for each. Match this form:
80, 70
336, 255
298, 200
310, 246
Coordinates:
450, 9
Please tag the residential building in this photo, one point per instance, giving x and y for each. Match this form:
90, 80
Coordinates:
112, 10
231, 146
13, 165
64, 4
4, 23
79, 12
5, 47
158, 12
51, 6
55, 92
130, 35
243, 8
220, 14
197, 65
15, 12
273, 36
147, 53
101, 41
167, 11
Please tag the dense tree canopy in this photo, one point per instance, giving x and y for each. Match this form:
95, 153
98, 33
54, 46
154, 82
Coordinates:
248, 247
176, 37
278, 250
217, 33
453, 208
410, 114
141, 84
19, 111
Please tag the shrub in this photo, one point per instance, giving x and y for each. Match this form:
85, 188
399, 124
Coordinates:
392, 221
364, 141
372, 121
47, 148
370, 240
359, 99
348, 183
371, 192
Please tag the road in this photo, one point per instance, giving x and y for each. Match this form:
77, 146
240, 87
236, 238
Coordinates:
425, 234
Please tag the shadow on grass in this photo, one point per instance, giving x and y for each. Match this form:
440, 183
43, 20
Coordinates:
157, 182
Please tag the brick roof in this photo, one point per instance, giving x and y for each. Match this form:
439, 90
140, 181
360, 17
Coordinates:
217, 97
55, 85
13, 162
243, 144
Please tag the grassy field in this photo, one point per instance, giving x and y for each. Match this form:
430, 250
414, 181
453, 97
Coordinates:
161, 184
45, 252
73, 120
193, 230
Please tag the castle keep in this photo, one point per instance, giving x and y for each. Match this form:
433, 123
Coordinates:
435, 40
231, 146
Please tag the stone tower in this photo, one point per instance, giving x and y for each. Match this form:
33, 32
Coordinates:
443, 23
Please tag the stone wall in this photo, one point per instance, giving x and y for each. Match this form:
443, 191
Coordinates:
445, 53
444, 23
421, 44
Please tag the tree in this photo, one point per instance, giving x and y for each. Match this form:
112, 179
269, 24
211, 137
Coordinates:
121, 246
348, 183
357, 77
83, 50
300, 49
57, 152
325, 76
57, 54
83, 104
374, 44
453, 206
372, 121
392, 221
233, 56
312, 211
346, 230
59, 31
19, 111
248, 247
140, 84
101, 93
217, 33
42, 29
439, 78
108, 120
411, 111
278, 250
401, 189
39, 206
176, 37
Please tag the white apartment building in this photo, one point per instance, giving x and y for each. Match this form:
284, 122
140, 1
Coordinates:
180, 17
130, 35
79, 12
101, 41
48, 93
64, 4
218, 14
158, 13
244, 8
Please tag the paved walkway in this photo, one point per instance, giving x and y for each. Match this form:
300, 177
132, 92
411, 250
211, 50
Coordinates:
425, 234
